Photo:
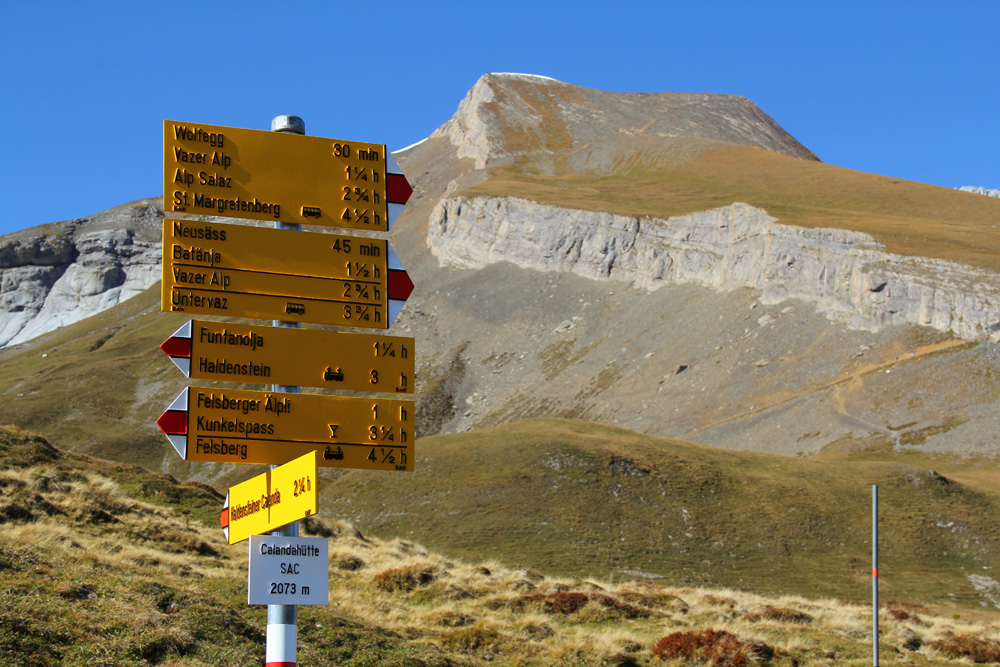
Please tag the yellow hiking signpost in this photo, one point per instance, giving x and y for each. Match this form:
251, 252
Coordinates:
245, 426
271, 500
237, 271
288, 277
241, 173
232, 352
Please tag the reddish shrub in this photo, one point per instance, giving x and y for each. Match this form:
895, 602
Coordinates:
717, 601
899, 614
564, 603
721, 648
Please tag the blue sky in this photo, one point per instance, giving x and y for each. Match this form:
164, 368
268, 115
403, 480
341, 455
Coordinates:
906, 89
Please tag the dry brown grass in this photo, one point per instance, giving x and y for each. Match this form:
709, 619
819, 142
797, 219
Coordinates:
974, 647
146, 585
506, 616
491, 613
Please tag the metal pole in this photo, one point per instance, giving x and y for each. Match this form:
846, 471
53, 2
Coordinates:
282, 619
875, 574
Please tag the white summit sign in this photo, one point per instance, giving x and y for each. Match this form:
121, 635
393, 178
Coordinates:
289, 570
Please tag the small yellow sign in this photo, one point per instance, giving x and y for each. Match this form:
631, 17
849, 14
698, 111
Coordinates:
227, 351
256, 272
240, 173
246, 426
274, 499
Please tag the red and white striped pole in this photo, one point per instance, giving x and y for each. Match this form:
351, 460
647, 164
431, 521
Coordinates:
281, 638
282, 619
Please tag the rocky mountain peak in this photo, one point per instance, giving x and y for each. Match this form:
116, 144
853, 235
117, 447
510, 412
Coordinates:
512, 114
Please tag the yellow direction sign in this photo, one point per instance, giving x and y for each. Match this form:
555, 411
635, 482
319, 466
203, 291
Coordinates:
269, 501
226, 351
256, 272
242, 426
241, 173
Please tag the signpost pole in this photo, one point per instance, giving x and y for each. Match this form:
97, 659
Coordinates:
282, 620
875, 575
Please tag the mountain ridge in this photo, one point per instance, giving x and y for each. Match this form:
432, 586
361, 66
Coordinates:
87, 267
504, 115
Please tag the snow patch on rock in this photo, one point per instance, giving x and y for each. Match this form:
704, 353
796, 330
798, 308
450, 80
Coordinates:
989, 192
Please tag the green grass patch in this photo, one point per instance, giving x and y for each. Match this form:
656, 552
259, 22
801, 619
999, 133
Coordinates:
580, 499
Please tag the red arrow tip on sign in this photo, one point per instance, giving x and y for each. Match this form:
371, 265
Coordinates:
397, 188
173, 422
177, 347
399, 285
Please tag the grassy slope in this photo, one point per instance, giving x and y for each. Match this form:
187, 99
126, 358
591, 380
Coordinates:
102, 563
101, 385
909, 218
576, 498
86, 393
473, 495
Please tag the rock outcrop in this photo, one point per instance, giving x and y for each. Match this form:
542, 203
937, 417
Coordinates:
62, 273
550, 127
846, 274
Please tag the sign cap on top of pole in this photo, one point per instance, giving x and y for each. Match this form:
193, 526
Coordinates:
288, 123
